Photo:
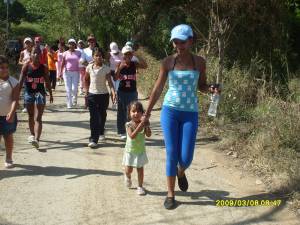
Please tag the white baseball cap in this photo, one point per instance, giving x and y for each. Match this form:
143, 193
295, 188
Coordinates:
126, 49
114, 48
28, 39
72, 40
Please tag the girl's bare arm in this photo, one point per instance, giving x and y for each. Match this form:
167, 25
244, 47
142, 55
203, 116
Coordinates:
133, 132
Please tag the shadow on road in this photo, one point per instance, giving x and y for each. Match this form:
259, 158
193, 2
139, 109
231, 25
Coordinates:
29, 170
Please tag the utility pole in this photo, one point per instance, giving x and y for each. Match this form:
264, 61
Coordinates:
7, 2
7, 22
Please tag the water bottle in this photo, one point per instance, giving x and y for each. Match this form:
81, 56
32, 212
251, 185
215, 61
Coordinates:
214, 101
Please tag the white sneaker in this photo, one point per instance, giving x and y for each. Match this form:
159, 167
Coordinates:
24, 110
30, 139
74, 100
35, 144
123, 137
114, 106
69, 107
92, 145
128, 182
9, 164
140, 191
102, 138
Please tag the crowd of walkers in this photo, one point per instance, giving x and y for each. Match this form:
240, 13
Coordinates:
103, 77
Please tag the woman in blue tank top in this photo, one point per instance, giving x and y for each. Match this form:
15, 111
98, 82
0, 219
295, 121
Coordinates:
179, 114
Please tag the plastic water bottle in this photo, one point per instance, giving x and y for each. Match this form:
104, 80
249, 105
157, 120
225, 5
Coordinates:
215, 98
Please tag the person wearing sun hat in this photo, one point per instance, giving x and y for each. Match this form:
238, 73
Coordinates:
132, 45
25, 57
25, 54
70, 65
127, 91
115, 57
185, 73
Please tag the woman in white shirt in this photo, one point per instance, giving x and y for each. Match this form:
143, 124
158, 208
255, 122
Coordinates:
97, 95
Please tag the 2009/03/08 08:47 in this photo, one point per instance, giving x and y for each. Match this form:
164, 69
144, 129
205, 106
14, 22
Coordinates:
246, 203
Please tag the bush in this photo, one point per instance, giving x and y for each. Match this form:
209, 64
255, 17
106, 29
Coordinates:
146, 78
240, 90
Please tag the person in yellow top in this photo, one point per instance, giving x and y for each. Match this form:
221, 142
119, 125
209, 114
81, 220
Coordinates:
52, 59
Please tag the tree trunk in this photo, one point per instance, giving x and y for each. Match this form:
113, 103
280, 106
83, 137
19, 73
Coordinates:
221, 59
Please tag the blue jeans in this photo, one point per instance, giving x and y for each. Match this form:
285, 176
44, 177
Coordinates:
124, 99
98, 104
34, 98
180, 130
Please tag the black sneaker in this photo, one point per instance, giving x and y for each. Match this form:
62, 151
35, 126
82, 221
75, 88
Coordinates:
182, 183
170, 203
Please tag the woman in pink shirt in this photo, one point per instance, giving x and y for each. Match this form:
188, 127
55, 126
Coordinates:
70, 65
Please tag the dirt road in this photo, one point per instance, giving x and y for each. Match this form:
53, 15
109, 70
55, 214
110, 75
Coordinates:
68, 183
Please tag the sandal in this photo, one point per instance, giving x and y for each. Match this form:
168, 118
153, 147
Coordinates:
170, 203
182, 182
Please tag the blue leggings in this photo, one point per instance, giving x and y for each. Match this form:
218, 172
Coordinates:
180, 130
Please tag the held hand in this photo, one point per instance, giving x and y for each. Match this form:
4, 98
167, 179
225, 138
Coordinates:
214, 88
10, 117
145, 119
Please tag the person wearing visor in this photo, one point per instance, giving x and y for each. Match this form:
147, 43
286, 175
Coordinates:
70, 65
127, 91
179, 115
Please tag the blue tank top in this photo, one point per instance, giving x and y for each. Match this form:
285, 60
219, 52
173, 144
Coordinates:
182, 92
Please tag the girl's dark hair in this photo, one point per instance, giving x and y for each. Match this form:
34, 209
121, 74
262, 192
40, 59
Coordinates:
54, 47
3, 59
97, 50
139, 107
